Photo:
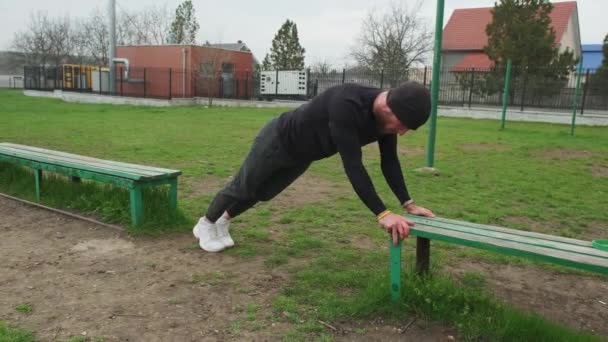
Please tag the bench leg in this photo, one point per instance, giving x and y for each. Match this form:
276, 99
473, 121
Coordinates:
395, 271
136, 205
173, 195
423, 253
38, 175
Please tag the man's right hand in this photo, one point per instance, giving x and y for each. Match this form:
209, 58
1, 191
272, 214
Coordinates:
396, 225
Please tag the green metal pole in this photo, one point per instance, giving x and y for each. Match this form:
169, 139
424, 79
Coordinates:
430, 157
505, 94
395, 270
577, 93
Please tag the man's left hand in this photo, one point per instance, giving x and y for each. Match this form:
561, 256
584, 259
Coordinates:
418, 210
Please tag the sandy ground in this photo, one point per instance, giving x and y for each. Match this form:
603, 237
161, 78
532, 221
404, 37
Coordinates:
87, 280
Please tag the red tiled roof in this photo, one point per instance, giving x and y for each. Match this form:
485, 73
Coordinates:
477, 60
466, 29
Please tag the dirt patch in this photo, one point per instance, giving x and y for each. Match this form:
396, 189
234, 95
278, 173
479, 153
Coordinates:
372, 151
562, 154
595, 230
573, 300
196, 187
483, 147
407, 330
85, 280
101, 247
411, 151
599, 171
526, 223
307, 190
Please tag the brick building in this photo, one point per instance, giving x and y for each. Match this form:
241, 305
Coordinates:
186, 70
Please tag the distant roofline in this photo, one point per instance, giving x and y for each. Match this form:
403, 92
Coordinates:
592, 47
182, 45
491, 7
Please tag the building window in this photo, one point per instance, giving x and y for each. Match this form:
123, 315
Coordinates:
228, 68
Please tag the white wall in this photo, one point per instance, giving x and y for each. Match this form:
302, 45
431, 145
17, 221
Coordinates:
8, 81
572, 38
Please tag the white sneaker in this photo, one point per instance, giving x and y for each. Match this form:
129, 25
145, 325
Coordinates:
207, 234
223, 234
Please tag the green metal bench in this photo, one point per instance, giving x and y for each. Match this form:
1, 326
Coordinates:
560, 250
132, 176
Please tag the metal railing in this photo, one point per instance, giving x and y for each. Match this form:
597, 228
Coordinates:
530, 87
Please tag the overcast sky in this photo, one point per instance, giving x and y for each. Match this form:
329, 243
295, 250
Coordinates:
327, 28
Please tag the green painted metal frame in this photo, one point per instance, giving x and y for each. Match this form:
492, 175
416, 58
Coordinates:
577, 94
422, 265
395, 270
430, 156
135, 186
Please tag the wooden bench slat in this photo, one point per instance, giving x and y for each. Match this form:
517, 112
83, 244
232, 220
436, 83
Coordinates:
71, 166
74, 163
85, 158
511, 235
36, 155
506, 230
90, 166
587, 262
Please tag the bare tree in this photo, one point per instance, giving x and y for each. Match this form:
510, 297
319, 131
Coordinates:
95, 37
60, 37
45, 40
81, 53
393, 42
156, 22
321, 67
34, 42
150, 26
211, 71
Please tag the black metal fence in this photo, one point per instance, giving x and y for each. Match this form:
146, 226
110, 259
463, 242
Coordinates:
529, 88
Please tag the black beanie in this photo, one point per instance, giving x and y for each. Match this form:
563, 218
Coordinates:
411, 103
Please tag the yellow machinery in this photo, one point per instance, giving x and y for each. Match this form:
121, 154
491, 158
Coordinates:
77, 76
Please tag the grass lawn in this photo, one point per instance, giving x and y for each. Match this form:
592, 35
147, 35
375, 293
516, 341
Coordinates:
530, 176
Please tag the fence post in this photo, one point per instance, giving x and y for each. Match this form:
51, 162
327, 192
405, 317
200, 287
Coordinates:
39, 83
505, 94
577, 92
221, 81
144, 83
471, 86
276, 81
247, 85
381, 79
424, 80
120, 70
585, 91
100, 81
343, 75
523, 88
170, 74
307, 83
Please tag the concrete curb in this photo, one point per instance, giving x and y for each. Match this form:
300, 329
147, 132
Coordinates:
591, 119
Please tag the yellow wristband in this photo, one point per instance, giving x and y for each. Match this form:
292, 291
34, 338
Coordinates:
383, 214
